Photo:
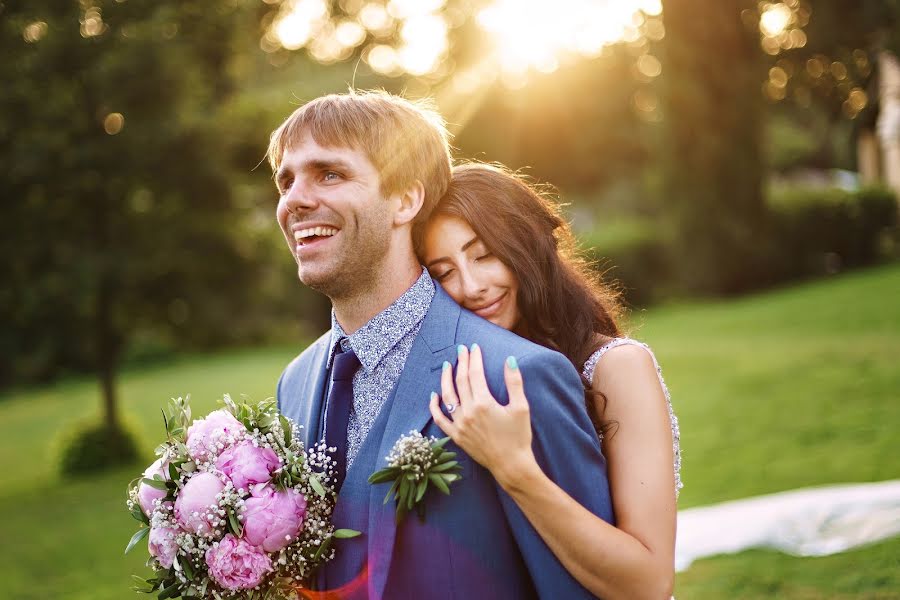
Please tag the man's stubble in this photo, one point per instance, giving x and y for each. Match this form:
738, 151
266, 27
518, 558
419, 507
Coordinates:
360, 265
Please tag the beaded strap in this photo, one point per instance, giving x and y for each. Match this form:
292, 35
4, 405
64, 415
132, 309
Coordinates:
588, 372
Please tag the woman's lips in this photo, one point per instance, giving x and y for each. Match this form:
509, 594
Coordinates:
490, 310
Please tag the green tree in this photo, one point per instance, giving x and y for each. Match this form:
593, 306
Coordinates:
118, 213
712, 149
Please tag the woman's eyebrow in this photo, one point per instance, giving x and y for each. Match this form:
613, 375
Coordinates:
465, 247
437, 260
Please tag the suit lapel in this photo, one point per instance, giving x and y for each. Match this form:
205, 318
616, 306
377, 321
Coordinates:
313, 390
409, 412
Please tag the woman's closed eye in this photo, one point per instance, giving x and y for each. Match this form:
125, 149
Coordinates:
441, 276
483, 256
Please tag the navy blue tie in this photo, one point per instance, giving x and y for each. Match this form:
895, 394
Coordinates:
337, 410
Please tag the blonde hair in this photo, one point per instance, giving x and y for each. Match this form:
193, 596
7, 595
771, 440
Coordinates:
405, 141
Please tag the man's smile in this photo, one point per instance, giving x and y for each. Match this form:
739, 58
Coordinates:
306, 236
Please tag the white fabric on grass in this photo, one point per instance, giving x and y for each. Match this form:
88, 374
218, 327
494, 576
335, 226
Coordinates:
806, 522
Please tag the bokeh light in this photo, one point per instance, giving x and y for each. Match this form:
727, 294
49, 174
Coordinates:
781, 25
92, 22
299, 21
113, 123
775, 19
34, 32
424, 38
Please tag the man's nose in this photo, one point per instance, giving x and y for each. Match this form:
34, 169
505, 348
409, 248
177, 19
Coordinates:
299, 197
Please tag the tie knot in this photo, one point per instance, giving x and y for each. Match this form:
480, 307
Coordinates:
346, 364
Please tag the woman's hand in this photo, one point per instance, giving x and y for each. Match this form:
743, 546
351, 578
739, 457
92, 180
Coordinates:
497, 437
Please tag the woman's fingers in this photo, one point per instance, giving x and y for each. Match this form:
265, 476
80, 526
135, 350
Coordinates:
514, 386
463, 388
448, 390
477, 380
442, 421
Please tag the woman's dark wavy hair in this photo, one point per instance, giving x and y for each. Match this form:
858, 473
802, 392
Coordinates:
561, 299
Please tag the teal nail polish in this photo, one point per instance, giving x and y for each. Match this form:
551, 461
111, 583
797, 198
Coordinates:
460, 349
474, 347
446, 365
511, 362
433, 396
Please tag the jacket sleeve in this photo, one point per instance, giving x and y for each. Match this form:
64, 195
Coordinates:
568, 451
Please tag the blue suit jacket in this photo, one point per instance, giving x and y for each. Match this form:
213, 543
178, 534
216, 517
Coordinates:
475, 543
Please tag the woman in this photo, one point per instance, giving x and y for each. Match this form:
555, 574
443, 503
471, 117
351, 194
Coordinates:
501, 249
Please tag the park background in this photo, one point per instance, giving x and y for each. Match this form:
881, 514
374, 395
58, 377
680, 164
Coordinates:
733, 165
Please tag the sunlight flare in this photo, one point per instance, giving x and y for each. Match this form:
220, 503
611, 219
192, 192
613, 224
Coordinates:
535, 34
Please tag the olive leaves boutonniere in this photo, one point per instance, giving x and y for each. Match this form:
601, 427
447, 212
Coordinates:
415, 464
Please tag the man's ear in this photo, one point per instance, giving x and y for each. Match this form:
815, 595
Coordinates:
410, 203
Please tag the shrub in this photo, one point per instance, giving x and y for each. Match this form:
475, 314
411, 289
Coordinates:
632, 255
807, 232
821, 231
92, 447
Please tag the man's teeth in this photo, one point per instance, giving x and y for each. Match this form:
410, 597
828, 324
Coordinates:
314, 231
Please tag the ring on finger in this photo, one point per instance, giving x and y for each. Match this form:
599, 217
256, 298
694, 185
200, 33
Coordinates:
452, 407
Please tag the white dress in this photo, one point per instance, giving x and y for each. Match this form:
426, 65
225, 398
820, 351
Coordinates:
588, 372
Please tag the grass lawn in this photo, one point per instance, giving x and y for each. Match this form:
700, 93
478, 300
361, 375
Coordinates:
793, 388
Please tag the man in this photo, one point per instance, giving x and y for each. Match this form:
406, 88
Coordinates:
358, 174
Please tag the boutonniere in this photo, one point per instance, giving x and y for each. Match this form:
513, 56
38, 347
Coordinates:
415, 464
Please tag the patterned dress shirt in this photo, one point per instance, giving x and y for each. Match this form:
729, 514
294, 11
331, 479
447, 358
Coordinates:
382, 346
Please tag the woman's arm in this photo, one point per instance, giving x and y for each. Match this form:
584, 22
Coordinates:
633, 561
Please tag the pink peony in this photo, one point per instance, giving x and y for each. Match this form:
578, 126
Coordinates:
246, 464
206, 438
162, 545
196, 501
272, 519
147, 494
235, 564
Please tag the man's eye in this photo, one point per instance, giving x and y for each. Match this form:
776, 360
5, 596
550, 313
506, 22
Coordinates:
331, 176
285, 186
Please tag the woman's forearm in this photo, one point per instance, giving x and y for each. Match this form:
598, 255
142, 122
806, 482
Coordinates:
607, 561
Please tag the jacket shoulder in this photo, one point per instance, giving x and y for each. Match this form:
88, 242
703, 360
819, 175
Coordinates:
309, 357
490, 337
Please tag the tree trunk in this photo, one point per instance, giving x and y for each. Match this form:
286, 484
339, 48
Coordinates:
713, 166
888, 124
107, 353
868, 157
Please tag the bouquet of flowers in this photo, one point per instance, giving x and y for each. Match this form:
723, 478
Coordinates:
234, 506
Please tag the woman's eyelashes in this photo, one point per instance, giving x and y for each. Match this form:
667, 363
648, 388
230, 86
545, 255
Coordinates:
443, 275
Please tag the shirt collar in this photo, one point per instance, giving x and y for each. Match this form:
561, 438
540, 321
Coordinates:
375, 339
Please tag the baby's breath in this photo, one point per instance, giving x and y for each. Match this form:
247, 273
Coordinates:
414, 464
309, 471
413, 453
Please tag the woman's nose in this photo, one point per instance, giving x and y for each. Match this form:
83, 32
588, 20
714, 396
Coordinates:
473, 286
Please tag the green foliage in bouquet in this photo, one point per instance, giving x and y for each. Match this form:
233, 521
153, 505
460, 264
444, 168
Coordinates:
416, 464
